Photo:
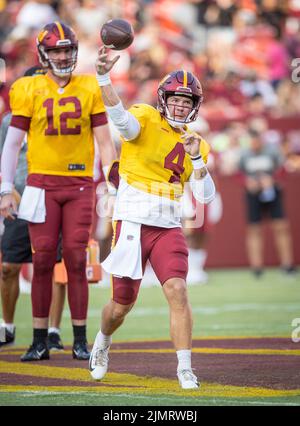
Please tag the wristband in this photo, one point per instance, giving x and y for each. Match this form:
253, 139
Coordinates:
197, 162
5, 193
103, 80
110, 188
7, 188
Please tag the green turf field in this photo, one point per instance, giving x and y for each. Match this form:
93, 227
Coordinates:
232, 304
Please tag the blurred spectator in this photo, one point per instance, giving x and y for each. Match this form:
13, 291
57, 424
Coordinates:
263, 195
252, 87
35, 14
90, 16
229, 144
241, 51
277, 61
207, 216
288, 99
291, 150
219, 13
273, 12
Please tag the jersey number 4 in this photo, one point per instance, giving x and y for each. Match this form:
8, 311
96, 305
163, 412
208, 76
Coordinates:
63, 118
174, 161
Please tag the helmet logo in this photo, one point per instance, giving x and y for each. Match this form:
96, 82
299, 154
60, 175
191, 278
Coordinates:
164, 79
42, 35
63, 43
183, 90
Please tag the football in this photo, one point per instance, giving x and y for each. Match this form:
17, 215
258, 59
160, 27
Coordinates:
117, 34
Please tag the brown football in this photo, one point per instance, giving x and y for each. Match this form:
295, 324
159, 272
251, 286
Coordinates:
117, 34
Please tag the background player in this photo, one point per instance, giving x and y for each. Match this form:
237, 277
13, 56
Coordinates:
16, 250
62, 114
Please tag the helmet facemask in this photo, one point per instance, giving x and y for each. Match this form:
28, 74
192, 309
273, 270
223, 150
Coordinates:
178, 121
53, 64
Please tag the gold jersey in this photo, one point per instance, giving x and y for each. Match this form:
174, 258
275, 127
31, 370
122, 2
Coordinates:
156, 162
60, 136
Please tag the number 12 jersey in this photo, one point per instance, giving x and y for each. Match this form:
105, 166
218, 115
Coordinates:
59, 123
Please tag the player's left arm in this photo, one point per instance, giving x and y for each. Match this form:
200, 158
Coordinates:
201, 182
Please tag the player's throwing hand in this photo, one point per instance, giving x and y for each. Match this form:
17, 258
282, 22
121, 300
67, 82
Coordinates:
103, 64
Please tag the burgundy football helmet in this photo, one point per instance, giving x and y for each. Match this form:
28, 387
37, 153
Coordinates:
57, 36
179, 83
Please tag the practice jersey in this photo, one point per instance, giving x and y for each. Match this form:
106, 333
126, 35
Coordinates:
156, 162
153, 170
60, 136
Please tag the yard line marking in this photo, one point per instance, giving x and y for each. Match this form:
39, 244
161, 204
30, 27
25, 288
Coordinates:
155, 386
217, 351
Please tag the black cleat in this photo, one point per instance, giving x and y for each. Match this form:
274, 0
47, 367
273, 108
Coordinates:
258, 272
54, 342
9, 337
290, 271
36, 352
80, 351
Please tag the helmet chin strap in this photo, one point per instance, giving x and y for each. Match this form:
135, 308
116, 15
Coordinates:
66, 72
61, 74
179, 124
171, 121
174, 123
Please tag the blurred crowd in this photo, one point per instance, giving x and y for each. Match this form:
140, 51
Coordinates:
242, 51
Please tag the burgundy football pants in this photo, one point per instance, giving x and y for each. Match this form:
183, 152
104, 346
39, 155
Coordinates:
167, 251
69, 210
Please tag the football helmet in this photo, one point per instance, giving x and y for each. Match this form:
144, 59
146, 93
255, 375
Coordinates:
179, 83
57, 36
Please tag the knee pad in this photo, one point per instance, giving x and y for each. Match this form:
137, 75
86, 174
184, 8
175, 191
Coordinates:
44, 261
75, 259
44, 244
125, 290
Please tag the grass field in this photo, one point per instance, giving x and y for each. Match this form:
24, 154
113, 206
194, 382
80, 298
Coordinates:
233, 305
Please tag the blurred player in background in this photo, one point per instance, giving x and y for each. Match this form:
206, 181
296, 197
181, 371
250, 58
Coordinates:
62, 114
198, 237
264, 199
158, 156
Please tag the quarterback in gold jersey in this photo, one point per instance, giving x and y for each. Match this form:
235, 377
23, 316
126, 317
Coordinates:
158, 156
62, 114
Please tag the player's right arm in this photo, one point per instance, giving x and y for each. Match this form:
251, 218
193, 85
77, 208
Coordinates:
9, 161
21, 107
125, 122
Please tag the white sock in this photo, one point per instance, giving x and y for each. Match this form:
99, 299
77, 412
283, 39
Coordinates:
9, 327
103, 340
202, 256
54, 330
184, 359
197, 258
